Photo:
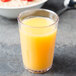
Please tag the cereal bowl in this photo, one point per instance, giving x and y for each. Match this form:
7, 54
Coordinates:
13, 12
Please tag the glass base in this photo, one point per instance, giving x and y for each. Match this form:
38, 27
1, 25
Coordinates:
38, 71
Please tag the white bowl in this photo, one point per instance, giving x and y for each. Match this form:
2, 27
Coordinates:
13, 12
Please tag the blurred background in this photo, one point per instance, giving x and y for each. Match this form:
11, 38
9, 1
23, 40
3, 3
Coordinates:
60, 6
54, 5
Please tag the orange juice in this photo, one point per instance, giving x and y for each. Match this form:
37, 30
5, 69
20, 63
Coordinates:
38, 42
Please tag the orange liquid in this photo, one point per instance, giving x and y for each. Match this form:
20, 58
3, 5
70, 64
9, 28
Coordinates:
37, 43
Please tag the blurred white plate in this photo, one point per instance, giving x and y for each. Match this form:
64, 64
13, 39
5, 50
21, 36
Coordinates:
13, 12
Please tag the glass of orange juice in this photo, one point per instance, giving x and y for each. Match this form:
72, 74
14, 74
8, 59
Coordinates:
38, 28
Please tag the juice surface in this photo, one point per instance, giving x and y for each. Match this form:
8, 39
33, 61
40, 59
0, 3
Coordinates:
38, 43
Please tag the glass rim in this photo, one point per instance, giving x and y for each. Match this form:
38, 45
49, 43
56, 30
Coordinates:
57, 20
